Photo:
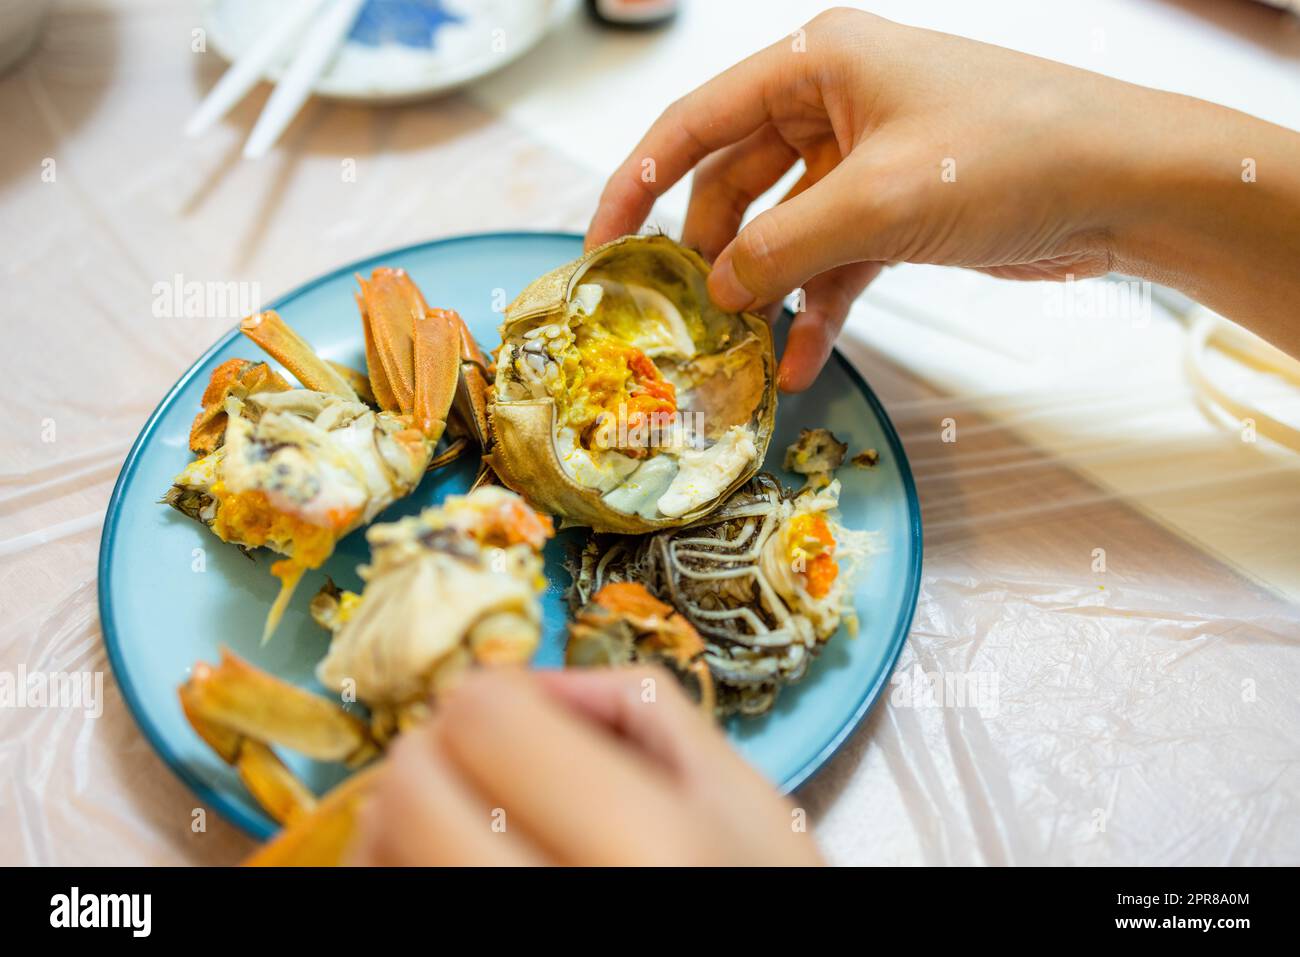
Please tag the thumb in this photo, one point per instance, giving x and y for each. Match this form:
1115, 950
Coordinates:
808, 234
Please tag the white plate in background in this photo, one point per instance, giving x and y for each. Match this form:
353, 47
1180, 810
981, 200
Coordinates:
398, 49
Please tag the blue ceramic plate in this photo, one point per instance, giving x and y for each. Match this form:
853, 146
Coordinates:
171, 594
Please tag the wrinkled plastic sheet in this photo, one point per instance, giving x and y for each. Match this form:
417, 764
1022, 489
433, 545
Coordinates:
1046, 708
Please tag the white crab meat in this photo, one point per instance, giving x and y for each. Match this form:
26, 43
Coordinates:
703, 474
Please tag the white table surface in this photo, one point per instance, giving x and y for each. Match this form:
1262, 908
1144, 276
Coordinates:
1146, 714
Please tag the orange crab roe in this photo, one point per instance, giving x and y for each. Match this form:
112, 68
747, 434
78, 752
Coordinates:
813, 546
514, 523
617, 376
248, 518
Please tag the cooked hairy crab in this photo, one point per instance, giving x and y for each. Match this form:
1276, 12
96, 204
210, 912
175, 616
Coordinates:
295, 470
453, 587
623, 623
624, 399
764, 580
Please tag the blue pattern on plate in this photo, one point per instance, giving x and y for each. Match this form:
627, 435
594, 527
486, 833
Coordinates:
412, 23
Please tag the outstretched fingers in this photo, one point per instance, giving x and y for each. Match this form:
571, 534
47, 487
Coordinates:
728, 182
726, 110
831, 223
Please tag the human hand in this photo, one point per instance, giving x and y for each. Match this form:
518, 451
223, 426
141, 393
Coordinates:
923, 147
584, 767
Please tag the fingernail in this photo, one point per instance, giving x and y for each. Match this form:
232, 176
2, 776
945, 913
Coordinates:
726, 289
787, 379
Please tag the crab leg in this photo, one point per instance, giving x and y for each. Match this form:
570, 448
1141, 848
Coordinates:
468, 415
391, 306
423, 361
267, 778
322, 837
454, 450
379, 384
274, 335
437, 370
357, 380
470, 404
238, 710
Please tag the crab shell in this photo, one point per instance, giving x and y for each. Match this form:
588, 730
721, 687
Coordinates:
523, 452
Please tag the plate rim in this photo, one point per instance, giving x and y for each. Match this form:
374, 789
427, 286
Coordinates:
332, 89
257, 826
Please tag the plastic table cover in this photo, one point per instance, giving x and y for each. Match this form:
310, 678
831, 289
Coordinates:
1085, 682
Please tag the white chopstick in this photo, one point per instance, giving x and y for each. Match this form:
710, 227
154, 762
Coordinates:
248, 69
318, 48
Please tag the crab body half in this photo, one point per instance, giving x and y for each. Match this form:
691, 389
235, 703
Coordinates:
764, 580
294, 470
624, 399
454, 587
